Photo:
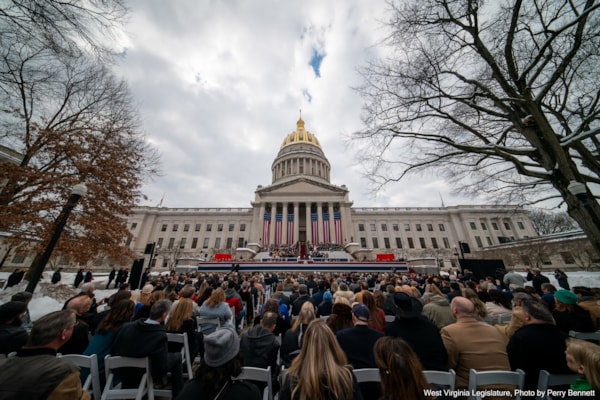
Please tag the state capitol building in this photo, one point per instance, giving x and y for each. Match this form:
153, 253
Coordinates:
300, 214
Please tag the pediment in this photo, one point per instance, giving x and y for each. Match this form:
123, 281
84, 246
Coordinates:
302, 186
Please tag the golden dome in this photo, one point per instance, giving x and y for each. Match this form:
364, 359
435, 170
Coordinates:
300, 135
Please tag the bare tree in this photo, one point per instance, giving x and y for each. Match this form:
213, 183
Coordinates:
499, 98
546, 223
70, 120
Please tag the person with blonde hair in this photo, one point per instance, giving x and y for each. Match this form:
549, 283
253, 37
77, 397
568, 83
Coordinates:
293, 338
480, 309
583, 358
215, 307
400, 370
321, 370
182, 320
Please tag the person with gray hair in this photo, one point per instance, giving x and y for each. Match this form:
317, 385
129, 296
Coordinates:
35, 372
538, 345
517, 319
148, 338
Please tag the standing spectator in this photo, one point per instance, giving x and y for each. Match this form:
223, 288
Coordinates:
221, 362
36, 373
418, 331
119, 278
536, 278
472, 344
538, 345
111, 277
562, 279
14, 278
89, 277
145, 277
260, 348
513, 277
583, 358
568, 315
78, 278
56, 276
12, 334
125, 275
148, 338
246, 295
320, 371
400, 370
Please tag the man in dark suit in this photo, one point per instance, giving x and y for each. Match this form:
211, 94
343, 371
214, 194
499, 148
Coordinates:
302, 298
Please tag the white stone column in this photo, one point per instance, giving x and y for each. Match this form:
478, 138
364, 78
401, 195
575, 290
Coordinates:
320, 221
272, 227
331, 223
261, 222
284, 223
296, 222
308, 224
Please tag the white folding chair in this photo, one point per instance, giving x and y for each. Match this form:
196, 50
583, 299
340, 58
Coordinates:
443, 378
367, 375
185, 351
547, 380
589, 336
514, 378
259, 375
112, 391
389, 318
92, 382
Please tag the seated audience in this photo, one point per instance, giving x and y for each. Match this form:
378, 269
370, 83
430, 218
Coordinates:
215, 307
341, 315
79, 339
293, 338
568, 315
589, 302
325, 307
12, 334
377, 320
583, 358
182, 320
437, 309
498, 306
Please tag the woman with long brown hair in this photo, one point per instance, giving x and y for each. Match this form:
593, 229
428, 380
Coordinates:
400, 370
182, 320
321, 370
377, 320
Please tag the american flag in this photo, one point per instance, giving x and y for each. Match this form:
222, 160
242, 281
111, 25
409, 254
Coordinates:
337, 224
315, 228
326, 232
278, 222
290, 229
266, 228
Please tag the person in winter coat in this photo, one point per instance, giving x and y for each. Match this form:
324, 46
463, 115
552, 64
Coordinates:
234, 300
341, 315
568, 315
78, 278
56, 276
215, 307
562, 279
437, 310
260, 347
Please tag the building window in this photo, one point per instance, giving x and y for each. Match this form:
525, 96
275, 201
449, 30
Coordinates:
399, 242
386, 243
484, 226
18, 259
411, 244
520, 225
361, 227
231, 227
159, 242
473, 226
194, 243
197, 227
205, 243
489, 240
495, 226
395, 227
407, 227
229, 243
422, 243
217, 243
446, 243
375, 243
507, 226
241, 242
133, 226
418, 227
363, 242
208, 227
242, 227
442, 227
434, 243
373, 227
547, 261
384, 227
220, 228
163, 228
567, 257
175, 227
182, 243
430, 227
128, 242
478, 241
171, 243
186, 228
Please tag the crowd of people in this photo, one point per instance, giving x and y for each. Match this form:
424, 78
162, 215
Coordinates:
316, 328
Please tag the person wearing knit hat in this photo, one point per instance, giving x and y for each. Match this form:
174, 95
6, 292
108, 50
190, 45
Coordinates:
24, 297
221, 363
568, 315
12, 334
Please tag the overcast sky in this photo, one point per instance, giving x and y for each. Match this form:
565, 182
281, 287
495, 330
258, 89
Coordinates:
220, 84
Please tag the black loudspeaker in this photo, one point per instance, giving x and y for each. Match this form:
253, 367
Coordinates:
135, 275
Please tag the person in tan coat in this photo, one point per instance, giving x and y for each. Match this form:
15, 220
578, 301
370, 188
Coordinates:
517, 319
472, 344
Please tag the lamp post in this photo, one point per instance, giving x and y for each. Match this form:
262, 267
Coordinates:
77, 192
579, 190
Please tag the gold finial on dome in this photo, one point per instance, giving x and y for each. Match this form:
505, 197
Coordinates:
300, 123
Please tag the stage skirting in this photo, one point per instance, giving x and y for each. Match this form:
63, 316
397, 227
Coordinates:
301, 266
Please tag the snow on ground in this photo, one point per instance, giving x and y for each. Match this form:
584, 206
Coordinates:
49, 297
